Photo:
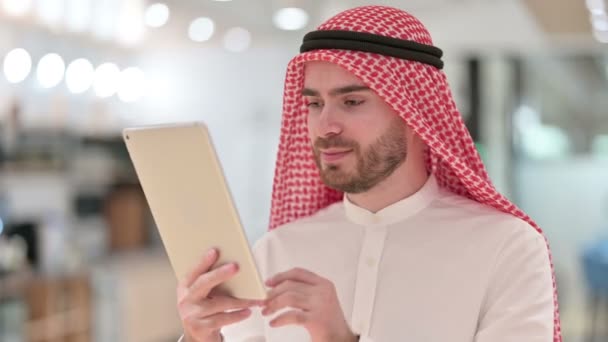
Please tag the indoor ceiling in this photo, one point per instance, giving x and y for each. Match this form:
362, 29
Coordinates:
455, 23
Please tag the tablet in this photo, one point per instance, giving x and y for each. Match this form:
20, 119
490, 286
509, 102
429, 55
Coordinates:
191, 204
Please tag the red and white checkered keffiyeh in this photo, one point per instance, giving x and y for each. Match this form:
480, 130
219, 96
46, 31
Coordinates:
418, 92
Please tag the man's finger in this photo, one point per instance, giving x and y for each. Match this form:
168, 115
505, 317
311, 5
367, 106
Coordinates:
294, 317
219, 320
297, 274
207, 281
287, 285
290, 299
208, 259
225, 303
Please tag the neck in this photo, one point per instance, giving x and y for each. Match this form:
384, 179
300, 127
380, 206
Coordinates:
402, 183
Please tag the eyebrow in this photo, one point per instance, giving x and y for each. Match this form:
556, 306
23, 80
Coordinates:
337, 91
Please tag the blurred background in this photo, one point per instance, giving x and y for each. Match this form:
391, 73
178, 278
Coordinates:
80, 258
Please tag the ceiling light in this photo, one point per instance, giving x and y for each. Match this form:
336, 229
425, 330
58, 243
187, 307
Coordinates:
79, 76
131, 85
157, 15
290, 18
106, 80
17, 65
50, 71
201, 29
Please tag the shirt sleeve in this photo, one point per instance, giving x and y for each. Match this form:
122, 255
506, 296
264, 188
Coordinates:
519, 303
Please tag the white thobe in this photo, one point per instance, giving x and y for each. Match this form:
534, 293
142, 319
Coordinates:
434, 267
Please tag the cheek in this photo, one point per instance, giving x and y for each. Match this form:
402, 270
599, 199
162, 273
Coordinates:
313, 122
311, 127
365, 132
375, 124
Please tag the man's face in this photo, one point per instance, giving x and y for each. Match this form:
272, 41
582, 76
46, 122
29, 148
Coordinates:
357, 139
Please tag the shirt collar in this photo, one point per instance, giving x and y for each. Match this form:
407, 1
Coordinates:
397, 211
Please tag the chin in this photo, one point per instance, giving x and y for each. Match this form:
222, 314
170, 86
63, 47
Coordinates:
334, 168
337, 165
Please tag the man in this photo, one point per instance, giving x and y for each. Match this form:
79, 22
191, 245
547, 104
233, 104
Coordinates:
388, 228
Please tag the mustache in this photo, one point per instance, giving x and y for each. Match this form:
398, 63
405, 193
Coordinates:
334, 141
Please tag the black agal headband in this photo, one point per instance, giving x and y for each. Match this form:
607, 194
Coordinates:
368, 42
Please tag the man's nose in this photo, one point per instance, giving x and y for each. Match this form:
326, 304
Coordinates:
328, 122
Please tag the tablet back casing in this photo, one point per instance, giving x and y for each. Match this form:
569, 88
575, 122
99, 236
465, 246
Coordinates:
185, 187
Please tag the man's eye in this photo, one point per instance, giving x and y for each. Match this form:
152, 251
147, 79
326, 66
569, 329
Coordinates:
353, 103
313, 104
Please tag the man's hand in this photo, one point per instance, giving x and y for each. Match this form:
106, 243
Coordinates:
203, 313
315, 302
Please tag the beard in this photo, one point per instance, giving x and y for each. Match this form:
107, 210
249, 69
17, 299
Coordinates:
373, 164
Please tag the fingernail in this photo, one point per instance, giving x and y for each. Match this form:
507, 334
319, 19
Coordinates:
230, 267
211, 252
